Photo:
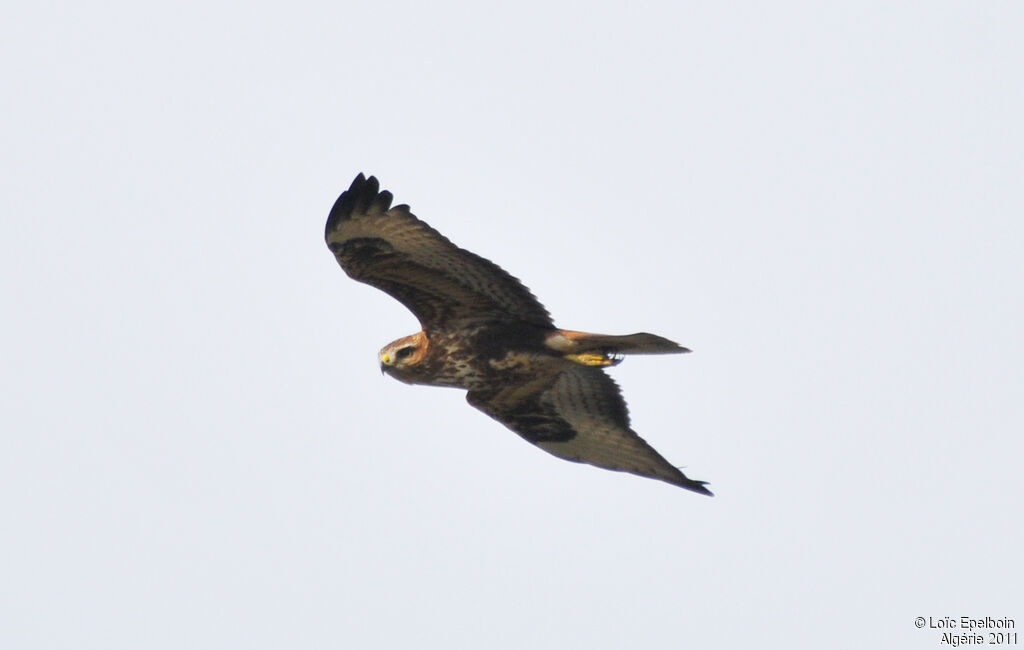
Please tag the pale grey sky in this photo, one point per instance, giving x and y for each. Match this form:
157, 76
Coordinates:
823, 201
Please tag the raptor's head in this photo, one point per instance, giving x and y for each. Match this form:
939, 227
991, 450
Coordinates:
401, 359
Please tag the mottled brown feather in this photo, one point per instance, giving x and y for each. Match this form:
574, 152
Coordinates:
443, 285
577, 413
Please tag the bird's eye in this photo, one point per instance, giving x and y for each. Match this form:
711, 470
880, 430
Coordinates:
404, 352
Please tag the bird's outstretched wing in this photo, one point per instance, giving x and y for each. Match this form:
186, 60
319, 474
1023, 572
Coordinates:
577, 413
439, 282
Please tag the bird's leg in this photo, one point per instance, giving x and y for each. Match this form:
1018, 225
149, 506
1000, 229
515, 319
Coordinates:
601, 359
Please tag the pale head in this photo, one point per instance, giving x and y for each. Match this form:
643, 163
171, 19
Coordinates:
401, 358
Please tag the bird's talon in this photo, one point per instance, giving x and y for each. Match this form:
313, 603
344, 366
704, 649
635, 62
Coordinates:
595, 359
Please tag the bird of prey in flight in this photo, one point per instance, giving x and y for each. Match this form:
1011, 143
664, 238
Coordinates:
483, 331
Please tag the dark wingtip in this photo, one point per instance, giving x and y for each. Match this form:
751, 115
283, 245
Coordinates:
362, 197
692, 485
698, 487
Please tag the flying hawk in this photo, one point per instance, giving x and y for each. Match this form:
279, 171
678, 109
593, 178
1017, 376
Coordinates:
484, 331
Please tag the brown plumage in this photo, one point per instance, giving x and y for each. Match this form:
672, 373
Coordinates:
485, 332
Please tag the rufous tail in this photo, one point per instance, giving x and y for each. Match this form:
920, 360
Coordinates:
606, 349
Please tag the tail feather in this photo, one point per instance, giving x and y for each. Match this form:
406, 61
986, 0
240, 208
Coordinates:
569, 341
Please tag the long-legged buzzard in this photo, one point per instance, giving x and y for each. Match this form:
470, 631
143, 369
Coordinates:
484, 331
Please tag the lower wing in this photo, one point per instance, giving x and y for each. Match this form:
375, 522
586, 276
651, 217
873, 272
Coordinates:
578, 414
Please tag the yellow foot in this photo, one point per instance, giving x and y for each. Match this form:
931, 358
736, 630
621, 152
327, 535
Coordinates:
595, 359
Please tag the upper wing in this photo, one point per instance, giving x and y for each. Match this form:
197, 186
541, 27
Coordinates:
578, 414
439, 282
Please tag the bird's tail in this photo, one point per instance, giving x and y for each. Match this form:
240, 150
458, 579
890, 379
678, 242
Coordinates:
607, 349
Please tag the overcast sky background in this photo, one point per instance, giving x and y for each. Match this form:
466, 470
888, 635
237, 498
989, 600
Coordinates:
823, 201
